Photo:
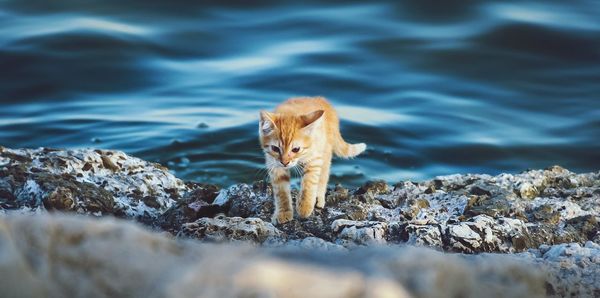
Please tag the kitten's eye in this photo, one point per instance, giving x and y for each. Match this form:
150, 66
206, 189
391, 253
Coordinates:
295, 149
275, 148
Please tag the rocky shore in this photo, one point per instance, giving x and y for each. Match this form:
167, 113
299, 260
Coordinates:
535, 233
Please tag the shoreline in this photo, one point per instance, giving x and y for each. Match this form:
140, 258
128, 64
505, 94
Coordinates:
544, 217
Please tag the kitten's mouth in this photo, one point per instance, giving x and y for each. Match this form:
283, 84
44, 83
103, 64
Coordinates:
288, 166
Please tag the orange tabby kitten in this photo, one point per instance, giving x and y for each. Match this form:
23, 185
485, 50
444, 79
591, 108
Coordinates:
304, 132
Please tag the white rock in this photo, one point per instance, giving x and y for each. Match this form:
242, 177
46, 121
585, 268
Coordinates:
359, 232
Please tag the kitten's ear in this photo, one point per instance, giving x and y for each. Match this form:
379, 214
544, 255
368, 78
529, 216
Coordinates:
266, 123
313, 119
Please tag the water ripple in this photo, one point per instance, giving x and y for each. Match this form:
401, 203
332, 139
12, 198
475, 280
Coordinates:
433, 88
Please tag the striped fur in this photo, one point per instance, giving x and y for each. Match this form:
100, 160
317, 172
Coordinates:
302, 133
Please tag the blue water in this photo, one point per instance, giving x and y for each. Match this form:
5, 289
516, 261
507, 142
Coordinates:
433, 87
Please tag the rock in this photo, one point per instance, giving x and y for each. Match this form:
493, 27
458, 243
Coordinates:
355, 212
485, 234
374, 187
196, 203
106, 163
388, 202
63, 193
67, 263
579, 229
337, 195
57, 256
528, 191
359, 232
60, 199
516, 214
423, 235
244, 202
491, 206
545, 213
479, 190
462, 238
223, 228
95, 182
572, 270
413, 208
317, 225
313, 244
202, 125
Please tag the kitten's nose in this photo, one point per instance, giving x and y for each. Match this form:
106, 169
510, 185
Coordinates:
285, 163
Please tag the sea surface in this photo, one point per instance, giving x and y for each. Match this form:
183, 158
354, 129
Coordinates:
433, 87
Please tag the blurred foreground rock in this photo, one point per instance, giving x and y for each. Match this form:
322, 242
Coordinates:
73, 256
548, 216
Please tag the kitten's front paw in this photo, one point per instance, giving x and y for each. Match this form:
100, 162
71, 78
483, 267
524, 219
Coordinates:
304, 209
320, 202
282, 217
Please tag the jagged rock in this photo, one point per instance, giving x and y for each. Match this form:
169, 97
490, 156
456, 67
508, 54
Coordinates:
337, 195
528, 191
388, 202
354, 210
485, 234
223, 228
359, 232
462, 213
423, 235
195, 204
245, 202
60, 199
491, 206
374, 187
579, 229
545, 213
86, 181
413, 207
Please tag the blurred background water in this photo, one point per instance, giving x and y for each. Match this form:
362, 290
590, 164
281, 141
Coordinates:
433, 87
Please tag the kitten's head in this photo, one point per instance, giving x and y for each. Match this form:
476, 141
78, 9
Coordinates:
285, 138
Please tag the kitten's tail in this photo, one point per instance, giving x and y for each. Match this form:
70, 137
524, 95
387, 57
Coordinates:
345, 150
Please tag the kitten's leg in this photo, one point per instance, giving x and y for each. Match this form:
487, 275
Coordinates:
310, 185
322, 190
280, 180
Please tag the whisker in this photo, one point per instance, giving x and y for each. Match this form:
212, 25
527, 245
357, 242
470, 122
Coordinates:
298, 170
257, 174
301, 169
262, 173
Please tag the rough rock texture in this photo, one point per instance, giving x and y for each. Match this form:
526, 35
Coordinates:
458, 213
223, 228
571, 269
196, 202
85, 181
526, 215
359, 232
